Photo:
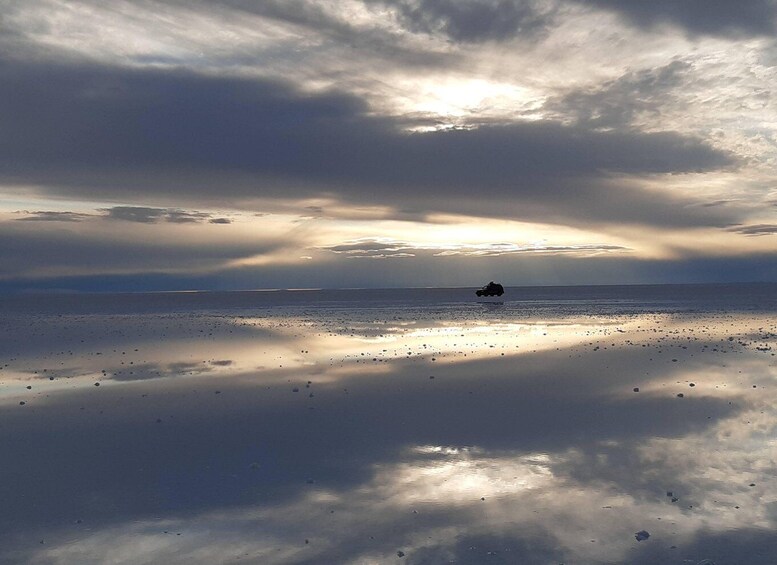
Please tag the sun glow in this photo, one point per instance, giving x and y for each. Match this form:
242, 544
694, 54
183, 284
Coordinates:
452, 99
454, 235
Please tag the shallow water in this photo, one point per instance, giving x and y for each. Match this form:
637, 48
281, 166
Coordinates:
422, 426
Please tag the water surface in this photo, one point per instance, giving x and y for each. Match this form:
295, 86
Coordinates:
558, 425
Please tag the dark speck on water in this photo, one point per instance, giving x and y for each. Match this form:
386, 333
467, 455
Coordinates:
642, 535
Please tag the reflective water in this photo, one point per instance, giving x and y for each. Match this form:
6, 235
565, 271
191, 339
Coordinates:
391, 427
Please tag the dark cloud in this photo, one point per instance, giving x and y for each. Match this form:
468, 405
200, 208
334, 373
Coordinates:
52, 250
95, 131
497, 20
139, 214
44, 216
756, 229
473, 21
145, 215
616, 104
302, 12
715, 203
369, 246
135, 214
470, 21
181, 217
712, 17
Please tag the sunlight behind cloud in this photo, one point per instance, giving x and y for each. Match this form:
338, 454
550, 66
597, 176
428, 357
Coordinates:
463, 101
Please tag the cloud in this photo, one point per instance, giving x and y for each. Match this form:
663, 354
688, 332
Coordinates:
100, 249
484, 20
756, 229
499, 20
177, 134
279, 36
616, 103
714, 203
47, 216
138, 214
710, 17
383, 248
144, 215
368, 246
474, 21
181, 217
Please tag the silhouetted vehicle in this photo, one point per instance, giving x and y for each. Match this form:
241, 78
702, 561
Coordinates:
491, 289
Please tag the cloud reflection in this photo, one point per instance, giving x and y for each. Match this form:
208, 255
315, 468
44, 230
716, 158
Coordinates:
266, 429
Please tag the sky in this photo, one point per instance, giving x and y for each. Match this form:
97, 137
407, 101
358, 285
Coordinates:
238, 144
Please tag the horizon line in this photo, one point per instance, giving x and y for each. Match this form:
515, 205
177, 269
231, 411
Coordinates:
54, 291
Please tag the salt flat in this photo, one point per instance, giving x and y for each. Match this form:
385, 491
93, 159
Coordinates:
411, 426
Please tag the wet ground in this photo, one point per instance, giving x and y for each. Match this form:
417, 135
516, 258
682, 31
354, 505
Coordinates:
626, 427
